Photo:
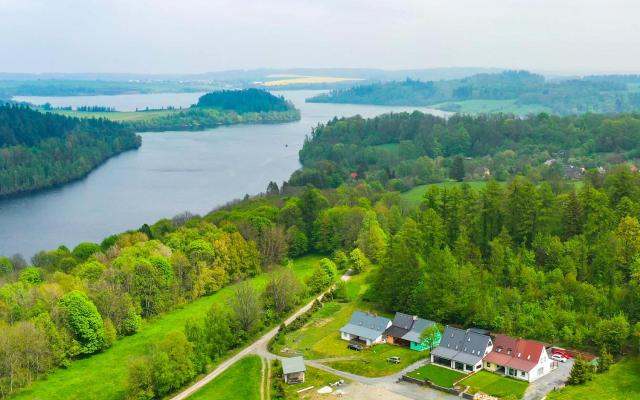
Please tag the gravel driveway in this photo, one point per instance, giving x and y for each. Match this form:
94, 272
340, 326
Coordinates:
554, 379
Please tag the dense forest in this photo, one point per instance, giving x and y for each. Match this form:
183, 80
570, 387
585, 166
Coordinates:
244, 101
605, 94
403, 150
523, 259
39, 150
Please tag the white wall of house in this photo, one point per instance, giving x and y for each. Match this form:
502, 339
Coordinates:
345, 336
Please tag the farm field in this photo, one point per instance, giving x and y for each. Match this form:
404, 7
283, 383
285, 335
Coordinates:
104, 375
120, 116
240, 381
621, 382
440, 376
495, 385
320, 338
304, 80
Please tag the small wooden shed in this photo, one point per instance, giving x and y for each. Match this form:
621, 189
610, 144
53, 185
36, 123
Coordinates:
293, 370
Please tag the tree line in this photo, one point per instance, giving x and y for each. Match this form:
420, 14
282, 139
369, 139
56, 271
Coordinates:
408, 149
602, 94
39, 150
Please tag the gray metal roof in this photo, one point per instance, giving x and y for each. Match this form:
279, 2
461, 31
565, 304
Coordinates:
469, 346
404, 321
419, 325
293, 365
366, 325
408, 327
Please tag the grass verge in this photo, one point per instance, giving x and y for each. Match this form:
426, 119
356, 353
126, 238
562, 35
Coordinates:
495, 385
240, 381
621, 382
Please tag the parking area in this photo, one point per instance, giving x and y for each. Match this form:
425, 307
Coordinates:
555, 379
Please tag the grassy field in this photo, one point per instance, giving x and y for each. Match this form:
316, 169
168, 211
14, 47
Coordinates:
120, 116
240, 381
415, 195
622, 382
320, 338
313, 377
495, 385
440, 376
305, 80
104, 375
491, 106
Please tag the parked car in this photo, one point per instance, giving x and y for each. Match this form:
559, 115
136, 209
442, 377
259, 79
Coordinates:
562, 353
353, 346
559, 357
394, 360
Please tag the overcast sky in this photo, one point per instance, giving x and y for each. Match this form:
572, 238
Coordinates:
184, 36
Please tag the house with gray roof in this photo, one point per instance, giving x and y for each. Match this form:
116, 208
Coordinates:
293, 370
462, 349
365, 328
406, 330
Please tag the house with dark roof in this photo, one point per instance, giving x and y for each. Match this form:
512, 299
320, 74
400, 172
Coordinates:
365, 328
461, 349
519, 358
406, 330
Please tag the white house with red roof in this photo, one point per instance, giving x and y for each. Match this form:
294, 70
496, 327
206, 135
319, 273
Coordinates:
518, 358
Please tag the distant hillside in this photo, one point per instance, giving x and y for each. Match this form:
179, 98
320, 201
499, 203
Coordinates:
519, 92
39, 150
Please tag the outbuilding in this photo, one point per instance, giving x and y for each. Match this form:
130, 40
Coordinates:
293, 370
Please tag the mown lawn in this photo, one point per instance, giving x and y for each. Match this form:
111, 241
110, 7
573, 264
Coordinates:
240, 381
104, 375
320, 337
440, 376
495, 385
622, 382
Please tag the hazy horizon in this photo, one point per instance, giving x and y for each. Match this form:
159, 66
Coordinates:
198, 36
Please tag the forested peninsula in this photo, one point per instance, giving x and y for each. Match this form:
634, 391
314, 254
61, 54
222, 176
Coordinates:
213, 109
518, 92
40, 150
48, 147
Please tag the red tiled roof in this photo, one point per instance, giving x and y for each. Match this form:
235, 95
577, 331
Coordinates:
519, 354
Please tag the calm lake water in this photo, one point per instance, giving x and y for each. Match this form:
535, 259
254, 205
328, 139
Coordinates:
170, 173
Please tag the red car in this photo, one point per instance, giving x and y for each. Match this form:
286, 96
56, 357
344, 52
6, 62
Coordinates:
563, 353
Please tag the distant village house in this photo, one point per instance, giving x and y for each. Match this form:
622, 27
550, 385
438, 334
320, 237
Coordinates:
293, 370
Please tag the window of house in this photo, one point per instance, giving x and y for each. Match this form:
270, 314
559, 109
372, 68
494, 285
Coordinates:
540, 371
522, 373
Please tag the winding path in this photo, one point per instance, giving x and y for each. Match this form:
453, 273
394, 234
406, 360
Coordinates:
260, 347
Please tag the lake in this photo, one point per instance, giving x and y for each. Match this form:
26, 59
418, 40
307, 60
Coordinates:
170, 173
